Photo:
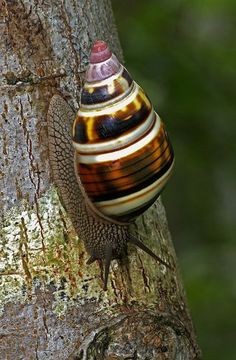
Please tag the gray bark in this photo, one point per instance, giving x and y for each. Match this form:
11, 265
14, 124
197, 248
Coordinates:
52, 305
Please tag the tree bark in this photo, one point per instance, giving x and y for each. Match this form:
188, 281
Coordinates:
52, 304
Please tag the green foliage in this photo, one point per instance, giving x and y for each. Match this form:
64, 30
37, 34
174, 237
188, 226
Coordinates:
183, 53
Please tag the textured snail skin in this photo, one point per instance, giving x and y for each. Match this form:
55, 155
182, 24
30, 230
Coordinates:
104, 238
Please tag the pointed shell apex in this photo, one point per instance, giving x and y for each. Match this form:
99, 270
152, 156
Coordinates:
100, 52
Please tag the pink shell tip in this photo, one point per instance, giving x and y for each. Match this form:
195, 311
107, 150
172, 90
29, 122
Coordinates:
100, 52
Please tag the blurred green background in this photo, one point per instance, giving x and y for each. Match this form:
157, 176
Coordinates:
183, 53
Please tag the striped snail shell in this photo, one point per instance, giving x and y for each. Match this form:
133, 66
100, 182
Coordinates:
123, 157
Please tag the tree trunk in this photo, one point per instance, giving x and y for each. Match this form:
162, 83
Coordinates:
53, 305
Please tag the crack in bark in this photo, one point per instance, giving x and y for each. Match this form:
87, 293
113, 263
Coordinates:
23, 250
70, 39
144, 276
33, 173
28, 78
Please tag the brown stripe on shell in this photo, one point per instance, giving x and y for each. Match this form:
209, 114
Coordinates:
121, 145
121, 180
107, 127
161, 184
101, 94
80, 132
125, 181
138, 210
126, 173
153, 146
114, 192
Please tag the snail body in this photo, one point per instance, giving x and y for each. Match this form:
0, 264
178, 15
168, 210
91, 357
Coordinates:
122, 157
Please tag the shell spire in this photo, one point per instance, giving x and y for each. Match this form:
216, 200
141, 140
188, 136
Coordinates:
102, 63
123, 156
100, 52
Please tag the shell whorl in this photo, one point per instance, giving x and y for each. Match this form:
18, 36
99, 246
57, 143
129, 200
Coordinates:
123, 155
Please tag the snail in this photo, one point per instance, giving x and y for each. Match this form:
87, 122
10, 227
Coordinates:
113, 162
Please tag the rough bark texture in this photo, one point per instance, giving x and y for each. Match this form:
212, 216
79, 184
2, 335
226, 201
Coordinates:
53, 305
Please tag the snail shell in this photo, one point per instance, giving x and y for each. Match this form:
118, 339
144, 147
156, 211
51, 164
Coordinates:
123, 157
